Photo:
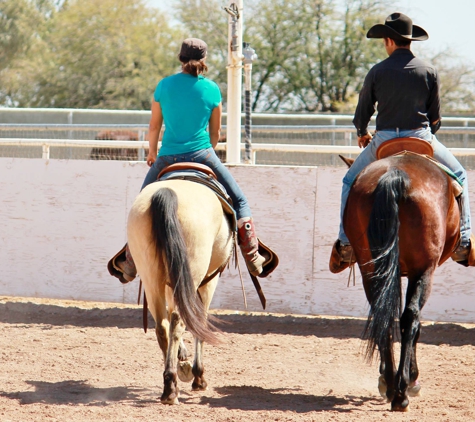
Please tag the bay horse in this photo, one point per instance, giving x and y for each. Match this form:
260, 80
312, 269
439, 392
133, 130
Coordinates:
179, 236
402, 219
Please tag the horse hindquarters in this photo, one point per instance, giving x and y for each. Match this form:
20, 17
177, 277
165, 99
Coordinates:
168, 235
383, 284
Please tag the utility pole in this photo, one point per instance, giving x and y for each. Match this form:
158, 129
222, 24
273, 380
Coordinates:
235, 57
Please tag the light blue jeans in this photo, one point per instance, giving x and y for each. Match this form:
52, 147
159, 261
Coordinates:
441, 154
208, 157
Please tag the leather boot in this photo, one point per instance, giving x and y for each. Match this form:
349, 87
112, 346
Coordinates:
249, 246
342, 257
465, 255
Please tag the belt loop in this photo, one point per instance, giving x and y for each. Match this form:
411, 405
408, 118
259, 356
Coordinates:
397, 132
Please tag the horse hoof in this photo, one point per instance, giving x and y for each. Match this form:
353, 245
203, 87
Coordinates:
414, 390
184, 369
170, 401
382, 387
400, 407
201, 386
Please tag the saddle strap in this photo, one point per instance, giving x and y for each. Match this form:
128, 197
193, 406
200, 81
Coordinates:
145, 307
259, 291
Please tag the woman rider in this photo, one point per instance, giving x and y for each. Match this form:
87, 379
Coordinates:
188, 103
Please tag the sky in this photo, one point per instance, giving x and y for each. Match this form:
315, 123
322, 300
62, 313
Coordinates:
449, 23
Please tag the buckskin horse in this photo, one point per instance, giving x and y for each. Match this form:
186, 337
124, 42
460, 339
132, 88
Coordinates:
181, 240
402, 219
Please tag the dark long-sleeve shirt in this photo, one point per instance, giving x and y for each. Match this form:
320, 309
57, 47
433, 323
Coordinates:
406, 90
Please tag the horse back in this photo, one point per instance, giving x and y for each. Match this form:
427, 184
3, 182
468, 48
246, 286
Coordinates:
204, 226
428, 215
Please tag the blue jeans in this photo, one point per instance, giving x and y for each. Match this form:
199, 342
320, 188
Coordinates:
441, 154
208, 157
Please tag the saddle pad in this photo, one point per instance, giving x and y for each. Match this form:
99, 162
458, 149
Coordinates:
203, 168
449, 172
208, 181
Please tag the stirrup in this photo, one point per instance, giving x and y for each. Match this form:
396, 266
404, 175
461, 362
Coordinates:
116, 269
465, 255
341, 257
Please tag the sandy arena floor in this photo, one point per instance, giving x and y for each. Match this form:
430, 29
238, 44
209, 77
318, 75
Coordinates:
82, 361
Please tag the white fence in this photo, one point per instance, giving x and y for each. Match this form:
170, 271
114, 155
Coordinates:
63, 219
46, 144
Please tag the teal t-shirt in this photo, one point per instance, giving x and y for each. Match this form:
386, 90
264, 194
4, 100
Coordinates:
187, 103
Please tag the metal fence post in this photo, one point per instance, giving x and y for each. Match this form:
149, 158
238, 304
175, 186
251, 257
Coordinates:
249, 56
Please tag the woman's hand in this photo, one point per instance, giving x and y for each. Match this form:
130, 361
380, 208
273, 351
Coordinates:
151, 157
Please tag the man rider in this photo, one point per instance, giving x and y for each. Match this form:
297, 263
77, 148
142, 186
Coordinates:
406, 90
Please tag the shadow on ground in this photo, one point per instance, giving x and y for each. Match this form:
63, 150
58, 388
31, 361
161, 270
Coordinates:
256, 398
32, 313
76, 392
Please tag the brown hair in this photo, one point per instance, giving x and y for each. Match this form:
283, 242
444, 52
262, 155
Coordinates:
401, 43
193, 67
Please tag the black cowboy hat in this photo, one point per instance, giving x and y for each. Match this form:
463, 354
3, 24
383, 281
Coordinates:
398, 27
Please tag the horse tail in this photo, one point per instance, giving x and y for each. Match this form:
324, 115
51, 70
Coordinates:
170, 244
385, 283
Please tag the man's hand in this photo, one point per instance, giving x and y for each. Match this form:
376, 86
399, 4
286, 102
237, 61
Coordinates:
364, 140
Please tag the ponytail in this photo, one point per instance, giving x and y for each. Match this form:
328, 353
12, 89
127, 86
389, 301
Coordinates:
193, 67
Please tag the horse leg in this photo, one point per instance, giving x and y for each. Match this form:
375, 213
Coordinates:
170, 389
206, 294
414, 388
387, 371
182, 351
408, 372
199, 382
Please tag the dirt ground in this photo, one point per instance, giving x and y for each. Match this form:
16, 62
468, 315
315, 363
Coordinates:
82, 361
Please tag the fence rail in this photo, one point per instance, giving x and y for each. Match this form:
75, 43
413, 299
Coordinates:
255, 129
46, 144
296, 140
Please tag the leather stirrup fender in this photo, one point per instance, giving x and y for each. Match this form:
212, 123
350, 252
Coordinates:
271, 259
112, 267
471, 255
336, 264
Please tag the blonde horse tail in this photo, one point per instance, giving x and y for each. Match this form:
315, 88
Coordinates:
170, 244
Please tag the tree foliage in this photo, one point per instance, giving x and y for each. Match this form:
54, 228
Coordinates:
457, 87
107, 54
313, 55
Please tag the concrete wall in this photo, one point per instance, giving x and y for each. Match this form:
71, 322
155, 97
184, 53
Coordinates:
63, 220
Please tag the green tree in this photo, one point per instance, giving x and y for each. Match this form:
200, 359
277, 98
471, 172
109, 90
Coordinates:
107, 54
313, 54
21, 22
457, 87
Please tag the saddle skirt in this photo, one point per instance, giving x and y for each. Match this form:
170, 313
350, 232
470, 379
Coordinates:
417, 146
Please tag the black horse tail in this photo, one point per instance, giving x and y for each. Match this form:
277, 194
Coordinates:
385, 284
170, 245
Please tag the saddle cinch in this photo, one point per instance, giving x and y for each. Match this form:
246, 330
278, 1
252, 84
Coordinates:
201, 173
399, 146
